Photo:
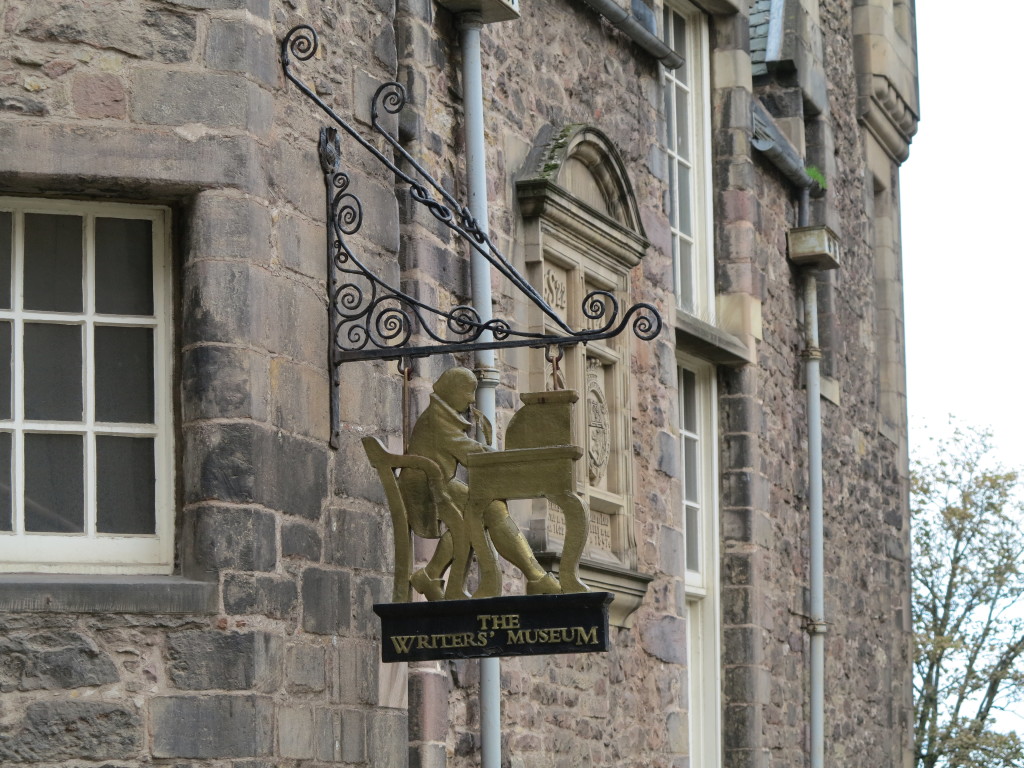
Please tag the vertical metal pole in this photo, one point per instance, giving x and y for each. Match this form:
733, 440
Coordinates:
816, 627
817, 556
487, 375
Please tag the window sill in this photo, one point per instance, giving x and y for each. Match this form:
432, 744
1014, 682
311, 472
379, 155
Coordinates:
710, 342
85, 593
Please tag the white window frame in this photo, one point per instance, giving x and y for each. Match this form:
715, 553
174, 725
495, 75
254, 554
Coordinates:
92, 552
703, 643
693, 81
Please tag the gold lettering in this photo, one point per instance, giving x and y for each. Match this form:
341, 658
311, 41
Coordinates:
584, 636
403, 643
499, 621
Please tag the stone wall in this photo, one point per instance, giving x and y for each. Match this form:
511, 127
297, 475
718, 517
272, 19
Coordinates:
264, 651
181, 102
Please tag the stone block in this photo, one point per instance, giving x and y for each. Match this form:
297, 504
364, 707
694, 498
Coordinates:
260, 8
299, 399
246, 463
269, 596
369, 396
231, 538
206, 660
126, 160
300, 540
367, 590
326, 601
296, 733
221, 382
141, 31
58, 731
355, 672
353, 736
293, 474
227, 227
671, 551
664, 637
98, 96
428, 698
742, 645
212, 726
173, 97
668, 454
302, 246
359, 538
305, 669
220, 302
354, 477
388, 739
428, 755
236, 46
52, 660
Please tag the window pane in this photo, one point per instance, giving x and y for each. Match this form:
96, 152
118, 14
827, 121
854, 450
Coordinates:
684, 197
5, 369
54, 498
124, 374
679, 42
124, 266
692, 539
125, 485
691, 470
6, 493
53, 262
6, 240
684, 253
682, 124
669, 90
689, 401
53, 372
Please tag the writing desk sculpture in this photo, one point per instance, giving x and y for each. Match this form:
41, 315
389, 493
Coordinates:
537, 462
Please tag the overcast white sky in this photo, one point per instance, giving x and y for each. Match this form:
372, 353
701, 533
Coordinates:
962, 265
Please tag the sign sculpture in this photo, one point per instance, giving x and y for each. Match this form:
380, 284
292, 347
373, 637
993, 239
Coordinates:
371, 319
537, 463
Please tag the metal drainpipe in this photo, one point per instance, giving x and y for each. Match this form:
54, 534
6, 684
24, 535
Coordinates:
626, 23
816, 577
487, 375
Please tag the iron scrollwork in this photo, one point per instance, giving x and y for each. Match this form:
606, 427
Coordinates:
371, 319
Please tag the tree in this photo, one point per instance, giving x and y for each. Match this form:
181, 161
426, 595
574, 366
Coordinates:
968, 592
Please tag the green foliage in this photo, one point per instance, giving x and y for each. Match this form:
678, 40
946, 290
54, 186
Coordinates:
968, 592
816, 175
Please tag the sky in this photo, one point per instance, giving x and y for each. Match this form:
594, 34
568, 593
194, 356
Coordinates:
961, 200
962, 265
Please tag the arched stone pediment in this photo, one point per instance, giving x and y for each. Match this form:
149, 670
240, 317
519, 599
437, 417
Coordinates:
577, 173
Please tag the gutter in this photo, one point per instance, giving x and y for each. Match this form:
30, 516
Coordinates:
636, 31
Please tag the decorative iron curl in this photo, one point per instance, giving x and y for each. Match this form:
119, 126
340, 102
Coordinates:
349, 296
393, 324
465, 321
370, 319
599, 304
392, 97
348, 213
646, 321
301, 42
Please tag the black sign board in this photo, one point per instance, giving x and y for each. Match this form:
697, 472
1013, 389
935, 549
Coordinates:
494, 626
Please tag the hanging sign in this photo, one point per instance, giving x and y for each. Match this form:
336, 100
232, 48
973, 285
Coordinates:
498, 626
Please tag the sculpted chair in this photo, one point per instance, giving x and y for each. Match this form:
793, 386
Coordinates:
388, 465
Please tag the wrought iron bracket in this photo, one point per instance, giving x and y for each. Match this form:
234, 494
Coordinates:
373, 320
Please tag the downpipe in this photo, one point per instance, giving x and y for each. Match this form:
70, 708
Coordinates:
816, 626
470, 25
